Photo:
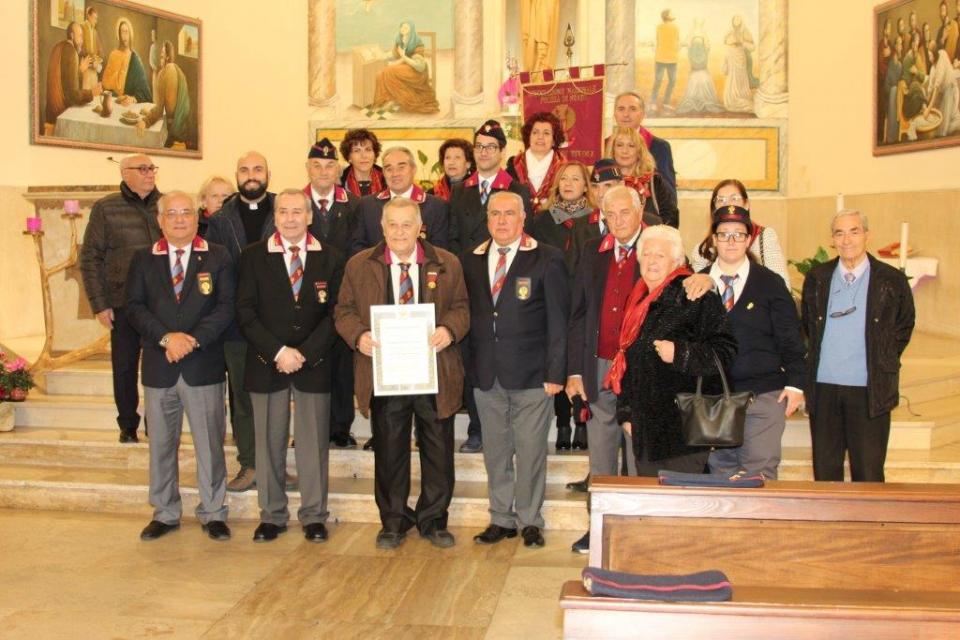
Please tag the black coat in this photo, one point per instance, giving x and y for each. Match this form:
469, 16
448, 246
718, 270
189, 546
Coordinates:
271, 318
528, 346
890, 320
468, 217
205, 311
341, 219
698, 329
369, 231
771, 353
589, 285
225, 227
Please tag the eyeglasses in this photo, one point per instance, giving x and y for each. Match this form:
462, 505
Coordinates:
144, 169
731, 236
845, 312
736, 198
480, 148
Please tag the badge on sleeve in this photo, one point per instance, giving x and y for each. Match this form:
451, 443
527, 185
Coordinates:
523, 288
423, 231
205, 283
321, 287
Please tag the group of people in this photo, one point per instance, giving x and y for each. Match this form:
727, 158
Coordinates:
558, 291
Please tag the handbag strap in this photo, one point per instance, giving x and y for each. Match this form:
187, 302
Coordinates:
723, 378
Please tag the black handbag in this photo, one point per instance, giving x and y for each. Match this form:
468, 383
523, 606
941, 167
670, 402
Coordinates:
713, 421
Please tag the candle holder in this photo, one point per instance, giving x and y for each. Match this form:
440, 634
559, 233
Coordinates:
46, 360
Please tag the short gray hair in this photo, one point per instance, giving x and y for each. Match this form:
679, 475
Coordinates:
864, 222
165, 199
508, 194
401, 203
399, 149
620, 191
300, 194
632, 94
663, 232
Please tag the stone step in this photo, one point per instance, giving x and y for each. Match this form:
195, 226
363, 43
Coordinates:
100, 450
350, 499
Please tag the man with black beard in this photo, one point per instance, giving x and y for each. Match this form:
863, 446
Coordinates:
245, 218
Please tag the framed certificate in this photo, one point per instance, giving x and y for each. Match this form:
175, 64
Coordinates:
404, 363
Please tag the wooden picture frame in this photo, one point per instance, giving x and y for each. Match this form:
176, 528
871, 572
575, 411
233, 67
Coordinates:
916, 62
114, 75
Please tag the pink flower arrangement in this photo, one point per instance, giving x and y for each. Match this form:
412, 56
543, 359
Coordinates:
15, 378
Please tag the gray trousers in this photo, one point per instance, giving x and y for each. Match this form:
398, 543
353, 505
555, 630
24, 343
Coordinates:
762, 435
515, 423
604, 434
311, 434
164, 409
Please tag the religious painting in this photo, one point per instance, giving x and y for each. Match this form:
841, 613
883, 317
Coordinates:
393, 59
114, 75
916, 56
698, 58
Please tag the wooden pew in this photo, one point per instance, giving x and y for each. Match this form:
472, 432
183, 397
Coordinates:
806, 560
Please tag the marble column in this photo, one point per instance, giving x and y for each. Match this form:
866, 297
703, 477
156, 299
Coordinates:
322, 43
621, 17
468, 53
770, 100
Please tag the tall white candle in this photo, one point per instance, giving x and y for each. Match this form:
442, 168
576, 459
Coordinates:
904, 244
839, 202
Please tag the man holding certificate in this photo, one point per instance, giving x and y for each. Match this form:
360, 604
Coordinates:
519, 303
404, 366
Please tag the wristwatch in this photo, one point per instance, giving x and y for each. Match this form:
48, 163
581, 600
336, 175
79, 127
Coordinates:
165, 340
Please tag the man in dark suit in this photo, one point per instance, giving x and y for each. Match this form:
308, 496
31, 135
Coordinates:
179, 298
285, 298
400, 169
629, 111
468, 226
858, 315
245, 217
334, 219
519, 307
403, 270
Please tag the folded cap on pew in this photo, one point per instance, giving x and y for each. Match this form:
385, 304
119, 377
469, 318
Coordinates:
704, 586
679, 479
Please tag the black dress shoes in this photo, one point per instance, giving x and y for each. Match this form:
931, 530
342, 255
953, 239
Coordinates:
563, 437
315, 532
127, 437
157, 529
343, 440
267, 532
580, 486
532, 537
494, 534
390, 539
438, 537
217, 530
580, 437
368, 445
582, 545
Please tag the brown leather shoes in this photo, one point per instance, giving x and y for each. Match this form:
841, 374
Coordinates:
246, 479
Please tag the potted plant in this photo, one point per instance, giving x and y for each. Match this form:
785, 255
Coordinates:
15, 379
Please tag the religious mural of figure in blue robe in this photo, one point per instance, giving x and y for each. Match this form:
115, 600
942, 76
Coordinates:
125, 74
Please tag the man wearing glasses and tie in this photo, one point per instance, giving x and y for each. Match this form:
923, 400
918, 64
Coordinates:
120, 223
858, 315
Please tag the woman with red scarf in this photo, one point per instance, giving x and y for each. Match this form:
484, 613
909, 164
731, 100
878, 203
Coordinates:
361, 149
537, 166
456, 161
639, 171
666, 341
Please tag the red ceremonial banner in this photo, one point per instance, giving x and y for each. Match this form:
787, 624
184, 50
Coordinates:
578, 104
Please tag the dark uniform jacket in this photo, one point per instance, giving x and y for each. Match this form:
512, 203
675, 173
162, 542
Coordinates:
468, 217
890, 320
204, 311
271, 318
225, 227
341, 219
367, 282
120, 224
369, 231
522, 341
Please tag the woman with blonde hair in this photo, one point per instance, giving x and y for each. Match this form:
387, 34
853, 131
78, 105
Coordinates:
210, 197
639, 171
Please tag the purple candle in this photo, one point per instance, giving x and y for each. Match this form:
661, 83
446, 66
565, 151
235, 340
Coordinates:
34, 225
71, 206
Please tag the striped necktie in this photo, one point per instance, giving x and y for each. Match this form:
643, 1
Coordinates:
177, 274
624, 253
500, 273
727, 298
296, 271
406, 284
849, 278
484, 191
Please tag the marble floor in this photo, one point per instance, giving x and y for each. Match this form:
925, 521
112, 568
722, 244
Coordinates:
75, 575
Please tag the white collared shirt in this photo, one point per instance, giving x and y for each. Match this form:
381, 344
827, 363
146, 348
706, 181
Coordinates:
537, 169
172, 256
631, 244
857, 271
493, 257
406, 194
287, 255
742, 272
324, 196
413, 271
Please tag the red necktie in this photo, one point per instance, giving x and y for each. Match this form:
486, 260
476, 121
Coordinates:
177, 274
406, 284
296, 271
500, 274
